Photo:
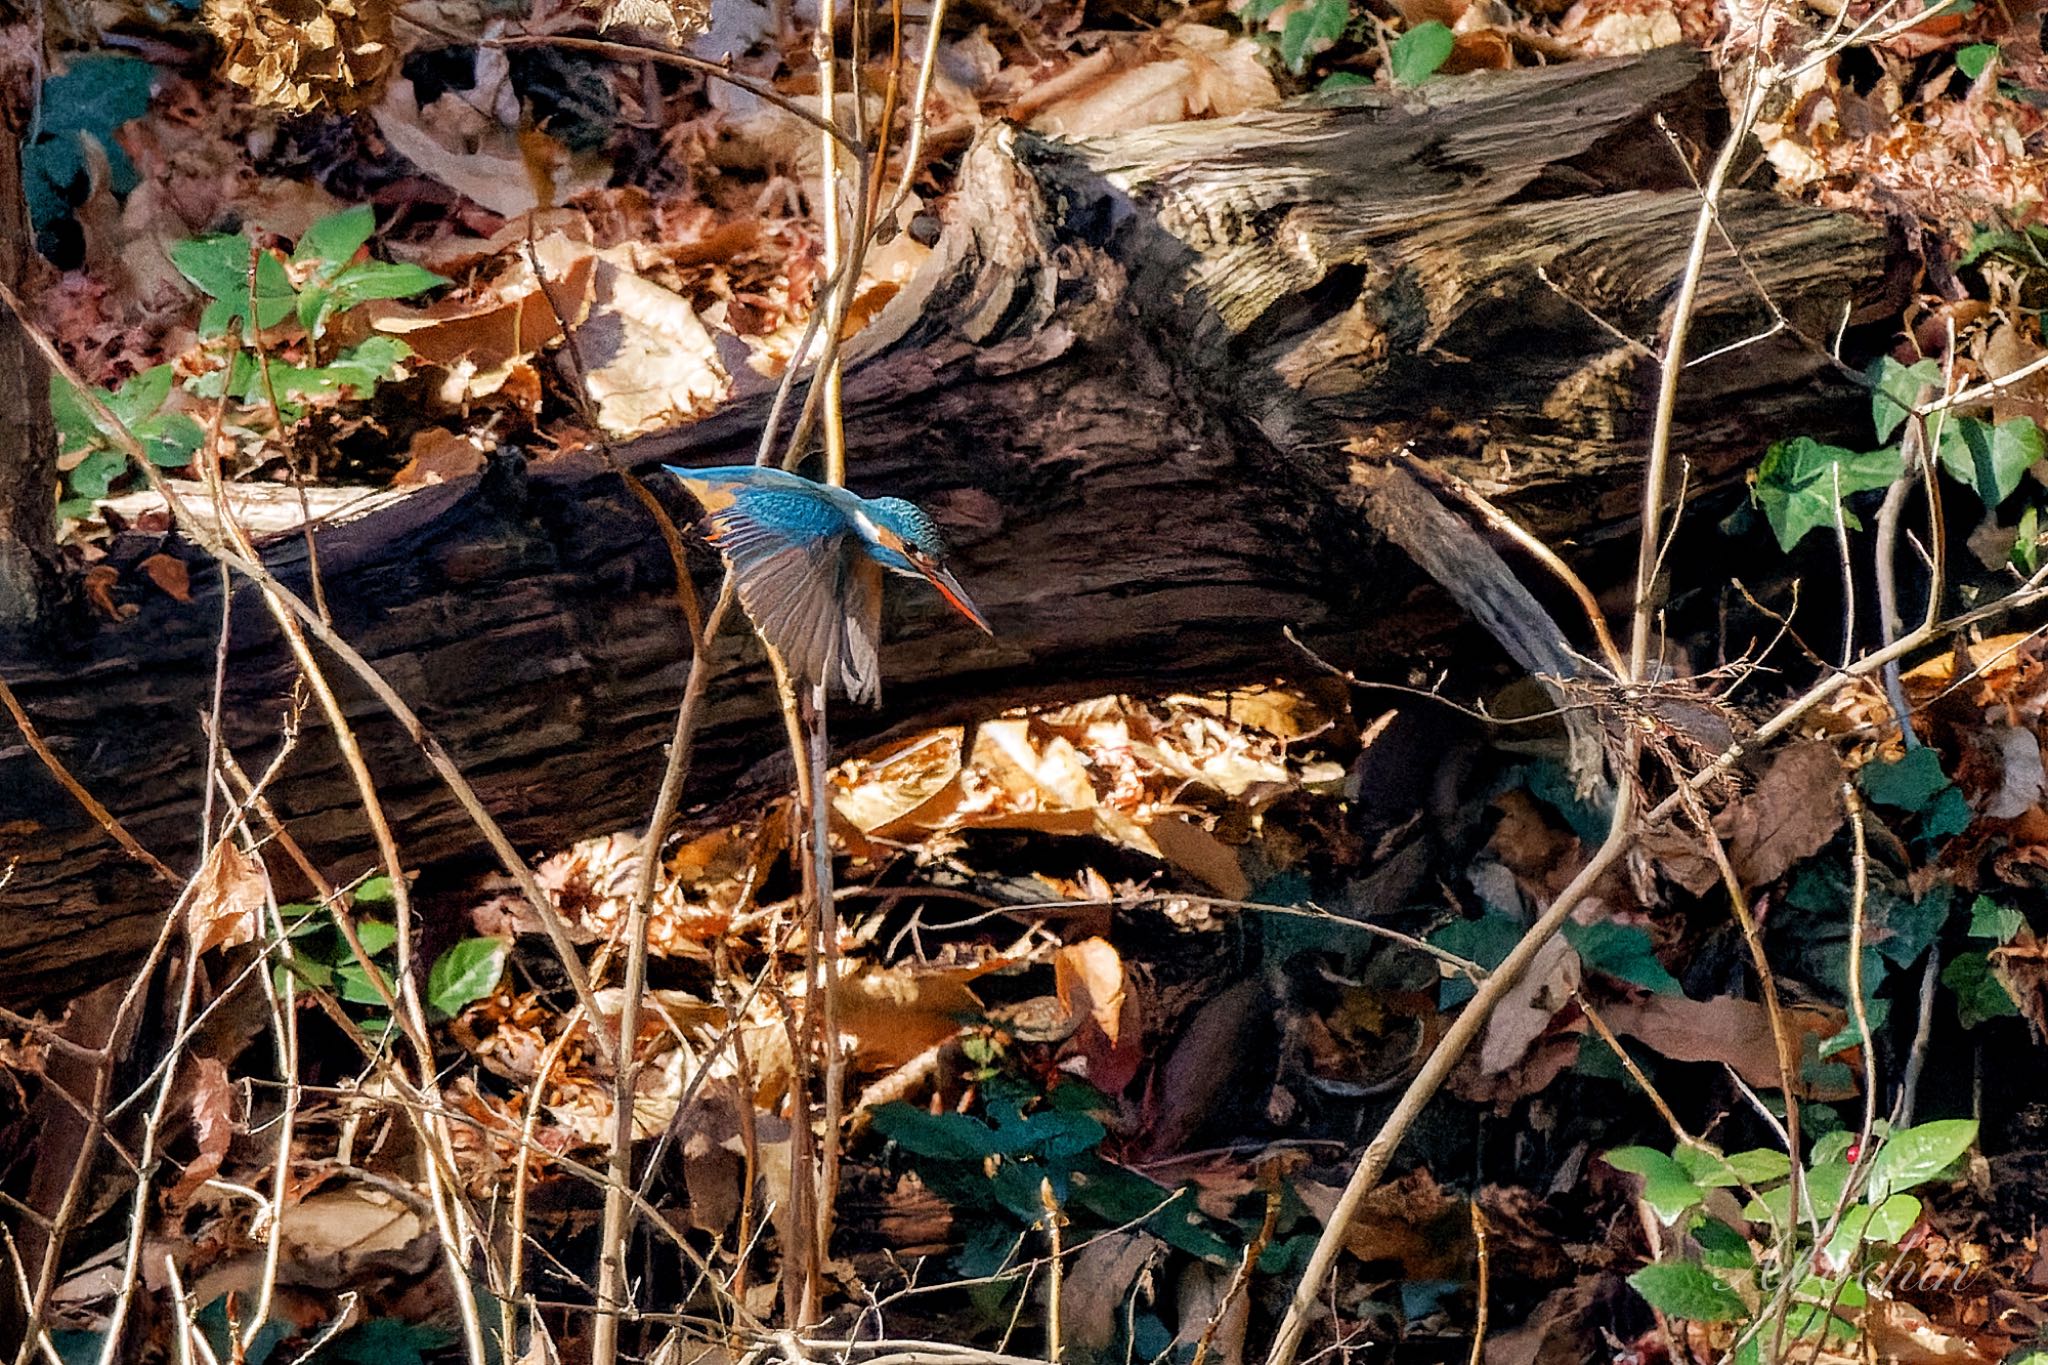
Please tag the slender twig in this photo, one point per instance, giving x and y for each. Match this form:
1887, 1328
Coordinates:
1923, 1030
1055, 1271
1479, 1319
103, 817
1241, 1280
1506, 525
119, 1032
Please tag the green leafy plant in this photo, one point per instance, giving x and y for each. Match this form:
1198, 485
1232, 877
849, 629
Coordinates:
992, 1168
87, 452
247, 288
1741, 1269
321, 956
1803, 485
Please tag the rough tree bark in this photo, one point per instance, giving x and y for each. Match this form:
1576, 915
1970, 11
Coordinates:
28, 469
1133, 381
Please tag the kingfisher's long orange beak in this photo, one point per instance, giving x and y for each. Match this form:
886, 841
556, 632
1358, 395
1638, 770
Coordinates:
950, 589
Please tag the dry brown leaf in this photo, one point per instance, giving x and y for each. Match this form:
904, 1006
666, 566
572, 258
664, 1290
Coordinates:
436, 455
1410, 1222
471, 142
2022, 779
1098, 1287
1091, 986
211, 1107
888, 792
1203, 1067
651, 362
302, 55
1193, 849
1189, 71
170, 574
1733, 1032
1525, 1012
1795, 809
227, 903
1901, 1334
339, 1238
892, 1014
99, 590
1089, 978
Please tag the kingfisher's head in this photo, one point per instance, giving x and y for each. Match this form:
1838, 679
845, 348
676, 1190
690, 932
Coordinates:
915, 534
907, 541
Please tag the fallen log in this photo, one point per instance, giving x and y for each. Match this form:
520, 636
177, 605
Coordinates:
1132, 382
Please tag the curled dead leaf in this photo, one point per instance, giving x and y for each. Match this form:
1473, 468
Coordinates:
226, 905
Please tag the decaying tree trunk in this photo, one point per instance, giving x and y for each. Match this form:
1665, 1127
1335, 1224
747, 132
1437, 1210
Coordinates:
28, 470
1125, 382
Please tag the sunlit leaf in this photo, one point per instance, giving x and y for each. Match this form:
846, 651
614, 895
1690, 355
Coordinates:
1418, 53
466, 973
1680, 1289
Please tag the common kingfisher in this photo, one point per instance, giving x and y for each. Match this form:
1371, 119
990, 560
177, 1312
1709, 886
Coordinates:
808, 559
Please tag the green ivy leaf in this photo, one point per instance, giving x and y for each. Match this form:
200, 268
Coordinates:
1667, 1188
1680, 1289
170, 439
1972, 60
940, 1137
218, 267
94, 475
466, 973
76, 428
376, 935
2026, 545
1825, 1183
335, 239
1910, 784
1999, 923
1802, 482
1990, 459
140, 395
1624, 952
1891, 1220
1418, 53
1342, 80
1980, 995
373, 891
1916, 1155
355, 984
1948, 816
1895, 388
383, 280
360, 368
93, 98
1312, 28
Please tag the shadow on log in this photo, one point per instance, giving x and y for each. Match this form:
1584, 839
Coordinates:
1132, 383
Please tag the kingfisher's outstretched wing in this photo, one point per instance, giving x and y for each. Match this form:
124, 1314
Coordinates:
801, 576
